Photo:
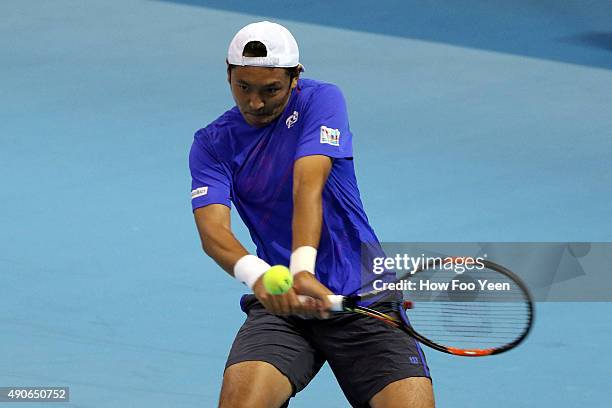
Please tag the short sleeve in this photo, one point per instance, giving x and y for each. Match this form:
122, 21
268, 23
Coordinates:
210, 183
325, 128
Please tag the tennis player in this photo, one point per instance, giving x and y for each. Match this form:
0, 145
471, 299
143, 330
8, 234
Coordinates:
283, 157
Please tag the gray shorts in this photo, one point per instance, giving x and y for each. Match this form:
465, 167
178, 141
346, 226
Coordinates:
364, 354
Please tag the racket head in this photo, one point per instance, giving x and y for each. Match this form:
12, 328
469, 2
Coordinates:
486, 311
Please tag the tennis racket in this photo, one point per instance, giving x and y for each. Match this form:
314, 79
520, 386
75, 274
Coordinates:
478, 312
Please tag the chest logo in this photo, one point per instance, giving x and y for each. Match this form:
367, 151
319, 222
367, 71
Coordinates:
292, 120
330, 136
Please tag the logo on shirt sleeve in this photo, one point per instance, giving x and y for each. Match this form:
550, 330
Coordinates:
330, 136
199, 192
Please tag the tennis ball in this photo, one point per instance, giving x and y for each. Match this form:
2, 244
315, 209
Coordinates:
277, 280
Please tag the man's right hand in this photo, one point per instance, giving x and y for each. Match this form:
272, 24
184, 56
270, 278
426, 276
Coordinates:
305, 283
289, 304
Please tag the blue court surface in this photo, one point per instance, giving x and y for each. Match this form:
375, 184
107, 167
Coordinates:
479, 121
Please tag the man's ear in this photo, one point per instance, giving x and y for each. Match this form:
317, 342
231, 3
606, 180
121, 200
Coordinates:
296, 76
229, 72
294, 81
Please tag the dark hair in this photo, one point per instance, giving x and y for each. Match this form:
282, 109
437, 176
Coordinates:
255, 49
258, 49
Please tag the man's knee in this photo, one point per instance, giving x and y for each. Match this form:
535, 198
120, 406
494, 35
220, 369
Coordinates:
414, 392
254, 384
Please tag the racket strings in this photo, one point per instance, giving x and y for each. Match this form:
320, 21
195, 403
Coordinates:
481, 309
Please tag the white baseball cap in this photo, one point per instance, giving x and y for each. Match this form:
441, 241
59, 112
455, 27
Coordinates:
281, 46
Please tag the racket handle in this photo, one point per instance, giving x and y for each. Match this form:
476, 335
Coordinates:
336, 303
335, 300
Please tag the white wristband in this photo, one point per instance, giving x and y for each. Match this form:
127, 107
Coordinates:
303, 259
249, 268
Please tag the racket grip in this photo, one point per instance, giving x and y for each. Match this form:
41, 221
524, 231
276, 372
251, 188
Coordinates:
335, 300
336, 303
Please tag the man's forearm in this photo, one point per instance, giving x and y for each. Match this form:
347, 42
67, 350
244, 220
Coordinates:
309, 178
307, 218
223, 248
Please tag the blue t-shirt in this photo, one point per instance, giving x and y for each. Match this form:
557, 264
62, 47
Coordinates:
233, 162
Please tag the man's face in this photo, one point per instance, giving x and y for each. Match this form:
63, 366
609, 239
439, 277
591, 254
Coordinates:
260, 93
